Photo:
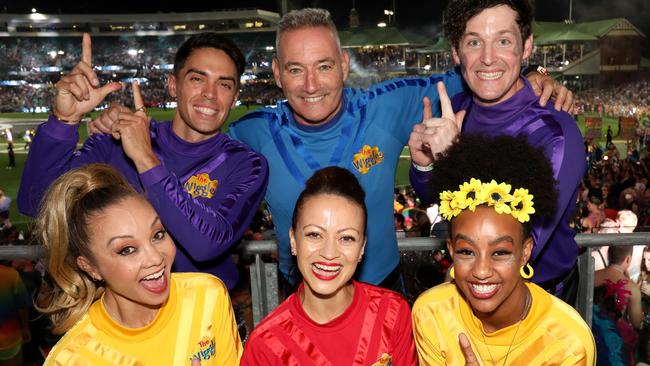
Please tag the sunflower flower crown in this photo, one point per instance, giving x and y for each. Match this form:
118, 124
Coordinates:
470, 194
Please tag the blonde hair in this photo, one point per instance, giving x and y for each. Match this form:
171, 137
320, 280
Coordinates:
62, 227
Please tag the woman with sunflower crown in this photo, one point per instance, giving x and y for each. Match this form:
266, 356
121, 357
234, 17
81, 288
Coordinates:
490, 314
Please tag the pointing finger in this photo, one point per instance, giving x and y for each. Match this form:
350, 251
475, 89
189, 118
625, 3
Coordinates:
137, 97
86, 49
460, 116
426, 110
445, 102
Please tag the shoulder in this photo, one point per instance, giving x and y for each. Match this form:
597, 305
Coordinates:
376, 293
443, 293
275, 319
258, 117
197, 281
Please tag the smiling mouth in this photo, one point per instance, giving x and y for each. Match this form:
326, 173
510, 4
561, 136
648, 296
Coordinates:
484, 291
205, 110
155, 283
154, 276
489, 75
325, 272
313, 99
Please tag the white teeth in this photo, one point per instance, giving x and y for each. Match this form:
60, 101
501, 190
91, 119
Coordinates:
323, 267
490, 75
205, 110
155, 276
483, 289
314, 99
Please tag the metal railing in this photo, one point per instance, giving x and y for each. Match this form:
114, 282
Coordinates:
264, 276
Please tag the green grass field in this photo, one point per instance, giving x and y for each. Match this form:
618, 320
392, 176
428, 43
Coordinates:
10, 179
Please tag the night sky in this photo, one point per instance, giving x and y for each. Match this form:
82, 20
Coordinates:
423, 16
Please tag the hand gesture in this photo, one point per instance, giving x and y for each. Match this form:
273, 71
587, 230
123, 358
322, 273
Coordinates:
547, 87
104, 122
79, 92
132, 128
466, 347
435, 135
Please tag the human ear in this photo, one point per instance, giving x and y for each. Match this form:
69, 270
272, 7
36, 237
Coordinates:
86, 266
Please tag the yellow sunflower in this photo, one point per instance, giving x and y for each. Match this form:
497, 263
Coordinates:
522, 205
449, 207
497, 195
469, 194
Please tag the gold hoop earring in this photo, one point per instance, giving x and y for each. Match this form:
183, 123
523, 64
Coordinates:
524, 269
452, 273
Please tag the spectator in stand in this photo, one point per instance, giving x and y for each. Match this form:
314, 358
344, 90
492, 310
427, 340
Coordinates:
5, 203
617, 309
332, 319
14, 310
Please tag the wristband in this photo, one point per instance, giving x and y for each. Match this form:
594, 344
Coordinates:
421, 168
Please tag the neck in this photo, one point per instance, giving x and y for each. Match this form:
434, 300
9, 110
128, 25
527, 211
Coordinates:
511, 311
187, 134
128, 313
323, 309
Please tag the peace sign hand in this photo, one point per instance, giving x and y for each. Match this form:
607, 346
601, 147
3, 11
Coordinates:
132, 128
435, 135
79, 92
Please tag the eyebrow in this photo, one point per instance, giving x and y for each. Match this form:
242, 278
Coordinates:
479, 36
322, 228
491, 242
111, 240
201, 72
293, 63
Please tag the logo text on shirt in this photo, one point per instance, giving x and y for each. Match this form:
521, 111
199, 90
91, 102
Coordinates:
200, 185
366, 158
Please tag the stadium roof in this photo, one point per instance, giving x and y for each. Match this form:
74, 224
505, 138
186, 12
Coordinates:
599, 28
225, 21
360, 37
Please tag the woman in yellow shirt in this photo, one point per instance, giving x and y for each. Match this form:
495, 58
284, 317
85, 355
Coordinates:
490, 314
115, 297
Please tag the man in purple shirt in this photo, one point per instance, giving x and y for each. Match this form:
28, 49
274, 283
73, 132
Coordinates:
205, 186
490, 40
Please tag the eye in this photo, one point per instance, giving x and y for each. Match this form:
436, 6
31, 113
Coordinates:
228, 85
126, 250
465, 252
348, 238
504, 42
500, 253
312, 235
325, 67
195, 79
295, 71
159, 235
473, 43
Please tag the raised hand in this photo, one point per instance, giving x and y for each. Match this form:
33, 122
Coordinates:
104, 122
79, 92
435, 135
466, 347
132, 128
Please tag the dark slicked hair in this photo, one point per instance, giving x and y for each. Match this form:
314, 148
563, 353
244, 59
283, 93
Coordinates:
505, 159
335, 181
459, 12
209, 40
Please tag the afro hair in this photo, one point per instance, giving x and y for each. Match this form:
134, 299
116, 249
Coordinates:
505, 159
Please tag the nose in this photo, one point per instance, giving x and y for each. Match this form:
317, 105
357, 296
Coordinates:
487, 55
482, 269
209, 91
153, 256
311, 83
329, 249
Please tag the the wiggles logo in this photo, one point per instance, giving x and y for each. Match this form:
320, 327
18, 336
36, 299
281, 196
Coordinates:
366, 158
200, 185
384, 360
206, 350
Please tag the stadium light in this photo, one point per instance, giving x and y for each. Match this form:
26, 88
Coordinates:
34, 10
381, 24
60, 52
132, 52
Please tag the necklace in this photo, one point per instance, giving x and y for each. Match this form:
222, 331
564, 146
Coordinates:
523, 315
